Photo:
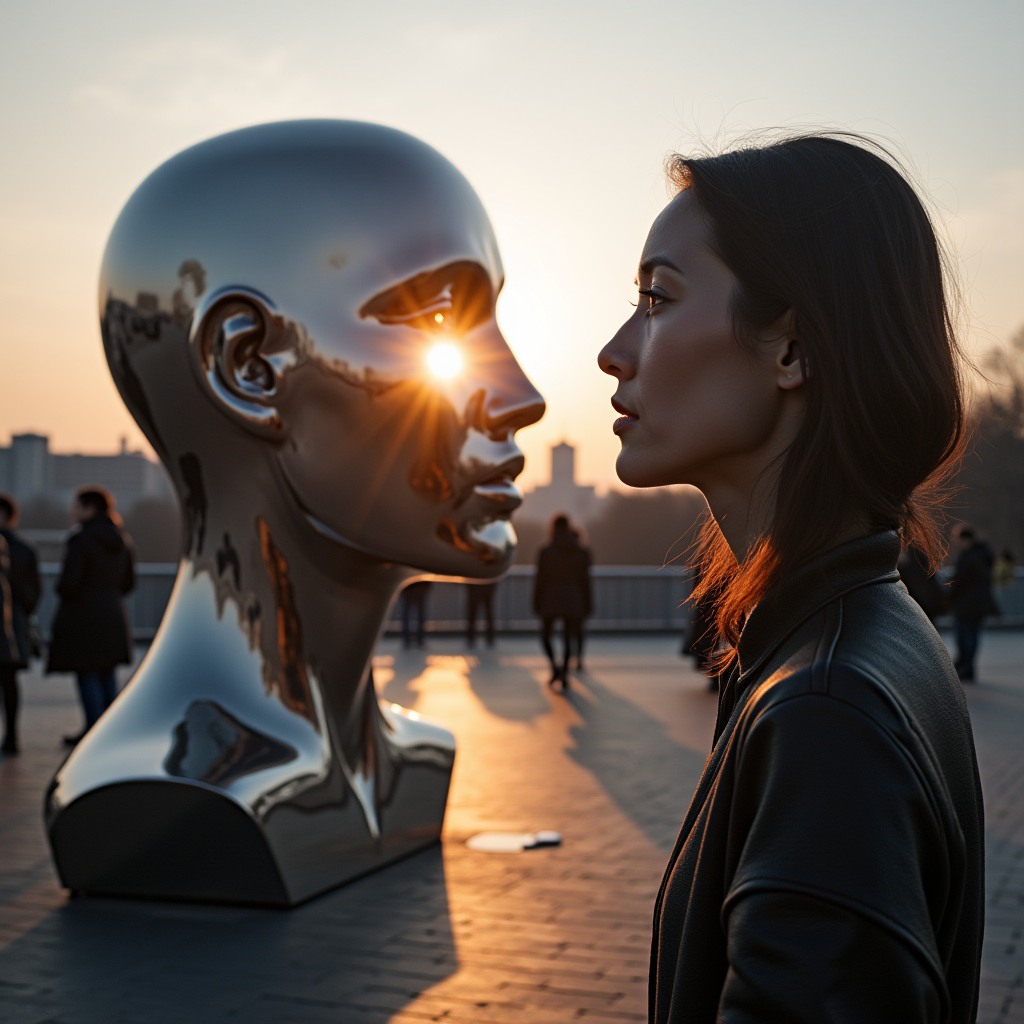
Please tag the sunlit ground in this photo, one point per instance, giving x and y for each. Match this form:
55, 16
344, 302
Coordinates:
539, 936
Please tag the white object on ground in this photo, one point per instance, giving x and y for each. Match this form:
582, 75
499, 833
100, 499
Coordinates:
512, 842
548, 838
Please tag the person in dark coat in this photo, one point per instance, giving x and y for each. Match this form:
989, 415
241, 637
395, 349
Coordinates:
19, 595
701, 636
414, 605
90, 634
921, 582
561, 591
480, 598
971, 590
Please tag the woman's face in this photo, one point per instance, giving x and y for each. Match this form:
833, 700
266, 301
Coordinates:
697, 408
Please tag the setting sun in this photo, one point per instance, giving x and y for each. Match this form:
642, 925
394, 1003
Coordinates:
444, 360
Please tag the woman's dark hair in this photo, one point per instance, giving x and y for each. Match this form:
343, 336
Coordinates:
828, 226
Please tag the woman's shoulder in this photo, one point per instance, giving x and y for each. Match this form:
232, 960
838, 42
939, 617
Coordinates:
875, 652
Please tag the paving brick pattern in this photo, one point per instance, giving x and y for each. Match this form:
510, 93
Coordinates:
997, 712
450, 934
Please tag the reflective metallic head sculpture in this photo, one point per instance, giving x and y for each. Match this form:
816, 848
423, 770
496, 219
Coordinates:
301, 318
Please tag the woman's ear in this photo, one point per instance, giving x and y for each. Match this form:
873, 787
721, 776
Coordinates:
242, 350
790, 361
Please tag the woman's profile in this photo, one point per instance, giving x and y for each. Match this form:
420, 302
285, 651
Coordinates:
793, 355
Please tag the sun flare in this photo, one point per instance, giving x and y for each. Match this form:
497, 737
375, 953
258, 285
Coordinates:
444, 360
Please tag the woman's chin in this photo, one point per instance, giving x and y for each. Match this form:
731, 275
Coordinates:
632, 471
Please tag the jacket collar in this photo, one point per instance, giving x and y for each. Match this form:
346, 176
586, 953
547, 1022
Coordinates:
796, 597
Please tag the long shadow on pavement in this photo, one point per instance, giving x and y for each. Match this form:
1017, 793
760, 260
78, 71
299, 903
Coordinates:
505, 689
647, 773
358, 955
407, 666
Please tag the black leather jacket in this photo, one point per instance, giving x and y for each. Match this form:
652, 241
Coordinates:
830, 867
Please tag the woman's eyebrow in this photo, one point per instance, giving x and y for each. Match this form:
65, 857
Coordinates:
658, 260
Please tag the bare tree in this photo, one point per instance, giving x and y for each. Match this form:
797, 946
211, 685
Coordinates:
991, 479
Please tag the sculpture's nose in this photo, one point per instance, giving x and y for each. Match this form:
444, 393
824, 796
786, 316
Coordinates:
511, 402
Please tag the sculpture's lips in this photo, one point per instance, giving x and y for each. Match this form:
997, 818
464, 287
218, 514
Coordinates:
491, 484
501, 493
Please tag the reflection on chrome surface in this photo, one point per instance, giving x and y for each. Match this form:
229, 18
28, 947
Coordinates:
301, 318
213, 746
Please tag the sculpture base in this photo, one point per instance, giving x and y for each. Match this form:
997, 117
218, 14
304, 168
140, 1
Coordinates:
170, 840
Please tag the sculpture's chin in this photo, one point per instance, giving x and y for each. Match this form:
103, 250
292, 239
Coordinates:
490, 541
494, 540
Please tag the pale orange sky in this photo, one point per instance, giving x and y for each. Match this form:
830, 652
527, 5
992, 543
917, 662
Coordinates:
559, 114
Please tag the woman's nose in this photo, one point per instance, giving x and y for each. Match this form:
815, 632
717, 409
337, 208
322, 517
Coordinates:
615, 358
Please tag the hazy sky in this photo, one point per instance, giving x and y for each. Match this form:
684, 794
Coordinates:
559, 113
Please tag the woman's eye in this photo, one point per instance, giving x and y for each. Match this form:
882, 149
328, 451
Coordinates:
653, 298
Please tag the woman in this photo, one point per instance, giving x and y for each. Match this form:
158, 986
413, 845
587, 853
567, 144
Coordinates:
793, 357
90, 629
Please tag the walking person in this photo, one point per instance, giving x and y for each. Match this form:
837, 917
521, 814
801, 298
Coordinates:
1002, 570
701, 638
414, 606
793, 357
480, 599
588, 603
971, 590
19, 595
561, 592
90, 634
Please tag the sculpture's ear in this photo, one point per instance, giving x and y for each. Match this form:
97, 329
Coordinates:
242, 350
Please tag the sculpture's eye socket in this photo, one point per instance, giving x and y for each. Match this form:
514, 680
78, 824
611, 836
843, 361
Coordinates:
444, 360
451, 300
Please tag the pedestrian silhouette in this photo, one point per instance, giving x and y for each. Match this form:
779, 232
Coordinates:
414, 605
90, 634
561, 592
701, 636
480, 598
1002, 570
971, 588
19, 595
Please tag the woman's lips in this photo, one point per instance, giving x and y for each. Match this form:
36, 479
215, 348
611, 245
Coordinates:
625, 420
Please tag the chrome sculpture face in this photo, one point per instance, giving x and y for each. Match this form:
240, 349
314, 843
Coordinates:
301, 318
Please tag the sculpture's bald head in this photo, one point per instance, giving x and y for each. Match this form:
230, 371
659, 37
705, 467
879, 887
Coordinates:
324, 291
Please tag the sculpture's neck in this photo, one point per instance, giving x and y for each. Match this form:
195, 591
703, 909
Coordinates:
310, 606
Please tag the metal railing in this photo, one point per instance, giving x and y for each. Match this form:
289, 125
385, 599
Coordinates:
627, 598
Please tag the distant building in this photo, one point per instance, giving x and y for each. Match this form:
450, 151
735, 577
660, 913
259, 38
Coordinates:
563, 494
30, 471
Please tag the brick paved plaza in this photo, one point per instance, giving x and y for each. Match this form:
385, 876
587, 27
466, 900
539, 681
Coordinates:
450, 934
